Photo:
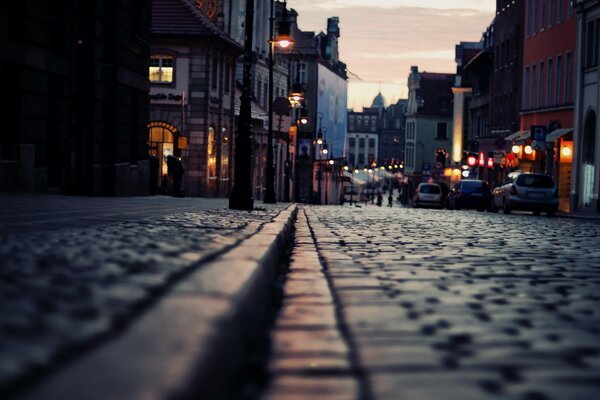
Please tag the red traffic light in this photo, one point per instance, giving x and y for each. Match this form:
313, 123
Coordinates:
471, 161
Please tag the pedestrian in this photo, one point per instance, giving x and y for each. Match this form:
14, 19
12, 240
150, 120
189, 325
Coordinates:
175, 170
379, 199
390, 199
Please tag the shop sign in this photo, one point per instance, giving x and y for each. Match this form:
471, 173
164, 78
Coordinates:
499, 156
166, 96
182, 142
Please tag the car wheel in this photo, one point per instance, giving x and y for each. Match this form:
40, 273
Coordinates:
492, 207
551, 213
481, 209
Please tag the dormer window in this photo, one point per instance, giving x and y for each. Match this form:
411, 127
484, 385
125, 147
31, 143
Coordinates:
161, 69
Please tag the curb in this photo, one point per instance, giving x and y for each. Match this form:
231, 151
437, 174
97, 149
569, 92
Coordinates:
193, 340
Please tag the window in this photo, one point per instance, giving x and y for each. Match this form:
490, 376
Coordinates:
410, 155
371, 143
561, 10
361, 143
549, 80
227, 78
351, 158
352, 143
302, 72
161, 69
552, 12
543, 16
541, 86
535, 16
570, 6
568, 78
533, 80
558, 79
215, 73
361, 159
526, 88
529, 12
442, 131
591, 43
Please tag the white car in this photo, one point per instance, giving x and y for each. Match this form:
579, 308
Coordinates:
428, 194
527, 192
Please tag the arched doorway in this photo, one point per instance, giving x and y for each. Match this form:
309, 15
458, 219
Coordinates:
589, 159
162, 141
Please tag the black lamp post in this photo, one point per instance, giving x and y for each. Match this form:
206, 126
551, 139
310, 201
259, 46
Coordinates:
284, 41
241, 193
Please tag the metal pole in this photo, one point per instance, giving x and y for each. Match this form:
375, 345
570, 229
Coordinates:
241, 193
270, 168
351, 185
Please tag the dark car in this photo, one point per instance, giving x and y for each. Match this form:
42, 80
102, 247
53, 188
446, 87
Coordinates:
527, 192
470, 193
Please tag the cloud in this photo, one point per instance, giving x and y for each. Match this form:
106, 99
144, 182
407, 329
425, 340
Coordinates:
379, 42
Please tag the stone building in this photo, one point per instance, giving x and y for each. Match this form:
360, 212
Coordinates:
363, 138
192, 76
73, 85
428, 124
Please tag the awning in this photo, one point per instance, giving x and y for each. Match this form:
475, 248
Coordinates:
520, 135
552, 136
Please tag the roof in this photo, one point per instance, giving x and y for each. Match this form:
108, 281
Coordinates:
184, 18
435, 93
518, 136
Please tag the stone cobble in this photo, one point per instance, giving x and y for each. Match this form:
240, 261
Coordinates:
465, 305
62, 290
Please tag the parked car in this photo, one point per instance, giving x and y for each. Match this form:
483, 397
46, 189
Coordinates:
470, 193
528, 192
428, 194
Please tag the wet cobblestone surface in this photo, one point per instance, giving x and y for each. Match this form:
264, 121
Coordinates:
440, 304
62, 289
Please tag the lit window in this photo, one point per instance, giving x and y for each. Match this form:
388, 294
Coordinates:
161, 69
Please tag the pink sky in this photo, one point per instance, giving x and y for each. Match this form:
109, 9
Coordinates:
381, 39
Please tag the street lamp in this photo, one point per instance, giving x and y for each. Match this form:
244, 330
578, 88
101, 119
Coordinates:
300, 119
241, 193
284, 40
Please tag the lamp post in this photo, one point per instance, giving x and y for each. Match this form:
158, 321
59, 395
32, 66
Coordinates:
241, 193
283, 42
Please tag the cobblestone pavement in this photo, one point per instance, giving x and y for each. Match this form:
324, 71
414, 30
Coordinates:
420, 304
62, 288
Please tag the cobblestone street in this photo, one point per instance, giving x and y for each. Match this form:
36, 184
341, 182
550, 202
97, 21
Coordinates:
439, 305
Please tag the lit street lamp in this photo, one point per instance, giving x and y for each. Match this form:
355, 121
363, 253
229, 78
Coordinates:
283, 40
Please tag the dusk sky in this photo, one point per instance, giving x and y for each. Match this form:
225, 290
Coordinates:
381, 39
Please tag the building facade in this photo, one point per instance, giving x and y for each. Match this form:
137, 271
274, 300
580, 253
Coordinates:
428, 124
192, 76
547, 95
74, 86
392, 134
507, 49
585, 187
363, 138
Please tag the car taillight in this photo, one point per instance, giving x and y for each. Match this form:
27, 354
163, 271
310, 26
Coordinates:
513, 190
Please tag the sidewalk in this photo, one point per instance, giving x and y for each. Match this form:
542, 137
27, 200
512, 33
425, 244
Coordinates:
128, 298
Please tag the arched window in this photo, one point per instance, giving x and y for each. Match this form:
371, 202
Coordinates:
589, 158
161, 68
211, 150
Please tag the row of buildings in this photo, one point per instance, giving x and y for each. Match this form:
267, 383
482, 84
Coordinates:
526, 97
101, 93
